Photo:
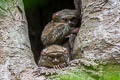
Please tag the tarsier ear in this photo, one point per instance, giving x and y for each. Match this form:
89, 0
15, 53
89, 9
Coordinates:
55, 15
44, 52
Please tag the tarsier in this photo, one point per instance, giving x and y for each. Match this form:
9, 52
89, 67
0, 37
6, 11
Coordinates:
54, 56
62, 25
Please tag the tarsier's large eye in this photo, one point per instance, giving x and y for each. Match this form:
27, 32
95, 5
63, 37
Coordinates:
65, 19
72, 22
73, 19
49, 58
59, 55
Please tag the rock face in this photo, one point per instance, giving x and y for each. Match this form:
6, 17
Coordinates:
99, 35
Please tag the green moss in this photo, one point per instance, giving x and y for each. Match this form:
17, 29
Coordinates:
108, 72
3, 5
74, 74
111, 72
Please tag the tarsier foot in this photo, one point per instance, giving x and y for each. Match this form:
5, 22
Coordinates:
44, 71
49, 71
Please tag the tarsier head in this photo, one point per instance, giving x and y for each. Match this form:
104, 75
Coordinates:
67, 16
53, 55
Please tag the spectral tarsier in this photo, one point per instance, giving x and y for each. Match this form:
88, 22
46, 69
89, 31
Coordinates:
54, 56
62, 24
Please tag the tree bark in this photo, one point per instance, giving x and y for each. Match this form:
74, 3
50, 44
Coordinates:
99, 35
16, 57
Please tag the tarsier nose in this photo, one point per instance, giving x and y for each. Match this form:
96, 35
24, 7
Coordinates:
56, 60
70, 23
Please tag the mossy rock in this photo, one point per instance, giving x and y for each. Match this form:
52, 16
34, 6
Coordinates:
105, 72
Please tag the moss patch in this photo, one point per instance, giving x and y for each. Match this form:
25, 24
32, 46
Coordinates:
108, 72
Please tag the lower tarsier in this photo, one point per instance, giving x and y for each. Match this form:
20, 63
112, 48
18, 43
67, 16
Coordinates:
54, 56
58, 37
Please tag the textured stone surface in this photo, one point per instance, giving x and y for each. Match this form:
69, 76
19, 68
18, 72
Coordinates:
99, 36
16, 57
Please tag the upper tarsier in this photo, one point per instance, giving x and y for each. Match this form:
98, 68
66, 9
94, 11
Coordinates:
62, 25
